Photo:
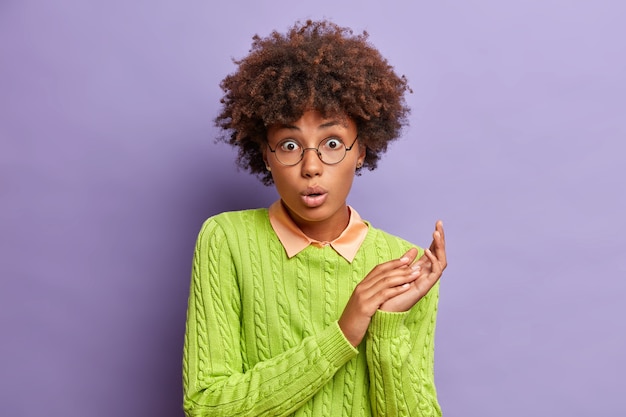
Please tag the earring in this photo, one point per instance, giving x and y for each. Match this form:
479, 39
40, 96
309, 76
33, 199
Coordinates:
359, 165
268, 168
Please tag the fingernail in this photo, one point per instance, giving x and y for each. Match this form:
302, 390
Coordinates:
404, 259
404, 285
415, 267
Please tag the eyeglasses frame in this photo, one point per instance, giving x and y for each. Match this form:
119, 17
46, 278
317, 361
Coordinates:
317, 151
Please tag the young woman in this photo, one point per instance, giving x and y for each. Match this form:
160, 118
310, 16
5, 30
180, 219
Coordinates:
303, 308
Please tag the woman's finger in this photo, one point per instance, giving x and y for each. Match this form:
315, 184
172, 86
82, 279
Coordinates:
390, 279
384, 268
440, 249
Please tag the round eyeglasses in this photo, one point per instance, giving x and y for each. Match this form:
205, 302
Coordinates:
330, 151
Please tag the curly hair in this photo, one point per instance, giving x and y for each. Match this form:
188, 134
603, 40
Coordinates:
314, 66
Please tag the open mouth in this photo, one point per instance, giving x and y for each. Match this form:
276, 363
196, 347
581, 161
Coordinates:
314, 191
314, 197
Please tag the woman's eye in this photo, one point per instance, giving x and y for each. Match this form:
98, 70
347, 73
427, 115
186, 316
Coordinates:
289, 146
333, 143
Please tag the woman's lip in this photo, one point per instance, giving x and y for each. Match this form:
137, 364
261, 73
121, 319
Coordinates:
314, 200
314, 190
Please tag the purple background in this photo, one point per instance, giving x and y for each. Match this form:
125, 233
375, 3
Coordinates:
108, 168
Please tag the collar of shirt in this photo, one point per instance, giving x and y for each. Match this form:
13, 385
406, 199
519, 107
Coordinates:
294, 240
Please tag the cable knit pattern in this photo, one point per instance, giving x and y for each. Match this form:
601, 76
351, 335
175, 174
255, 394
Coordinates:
283, 303
262, 336
302, 273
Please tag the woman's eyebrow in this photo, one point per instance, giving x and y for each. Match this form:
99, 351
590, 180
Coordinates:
289, 127
325, 125
332, 123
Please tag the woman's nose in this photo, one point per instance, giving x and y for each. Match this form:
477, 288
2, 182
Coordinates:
312, 165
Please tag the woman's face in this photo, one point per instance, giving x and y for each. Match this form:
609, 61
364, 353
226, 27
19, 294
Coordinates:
313, 192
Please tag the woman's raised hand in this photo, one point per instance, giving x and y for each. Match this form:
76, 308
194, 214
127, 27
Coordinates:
431, 266
383, 283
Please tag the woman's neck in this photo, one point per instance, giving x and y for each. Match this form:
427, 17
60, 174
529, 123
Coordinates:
325, 230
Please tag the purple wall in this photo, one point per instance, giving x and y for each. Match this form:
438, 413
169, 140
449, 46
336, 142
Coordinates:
108, 168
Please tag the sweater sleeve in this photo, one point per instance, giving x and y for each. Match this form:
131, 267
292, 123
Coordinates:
214, 381
400, 357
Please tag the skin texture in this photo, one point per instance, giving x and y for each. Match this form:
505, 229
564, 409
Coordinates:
396, 285
326, 221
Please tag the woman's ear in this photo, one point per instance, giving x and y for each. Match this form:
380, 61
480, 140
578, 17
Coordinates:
362, 153
267, 165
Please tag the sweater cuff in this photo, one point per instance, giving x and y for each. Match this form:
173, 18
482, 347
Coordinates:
335, 347
387, 323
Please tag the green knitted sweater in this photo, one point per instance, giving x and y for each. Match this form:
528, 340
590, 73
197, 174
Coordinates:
262, 336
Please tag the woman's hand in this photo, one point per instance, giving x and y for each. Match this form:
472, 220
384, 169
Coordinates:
431, 266
383, 283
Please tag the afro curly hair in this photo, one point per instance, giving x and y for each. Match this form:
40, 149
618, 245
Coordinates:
319, 66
